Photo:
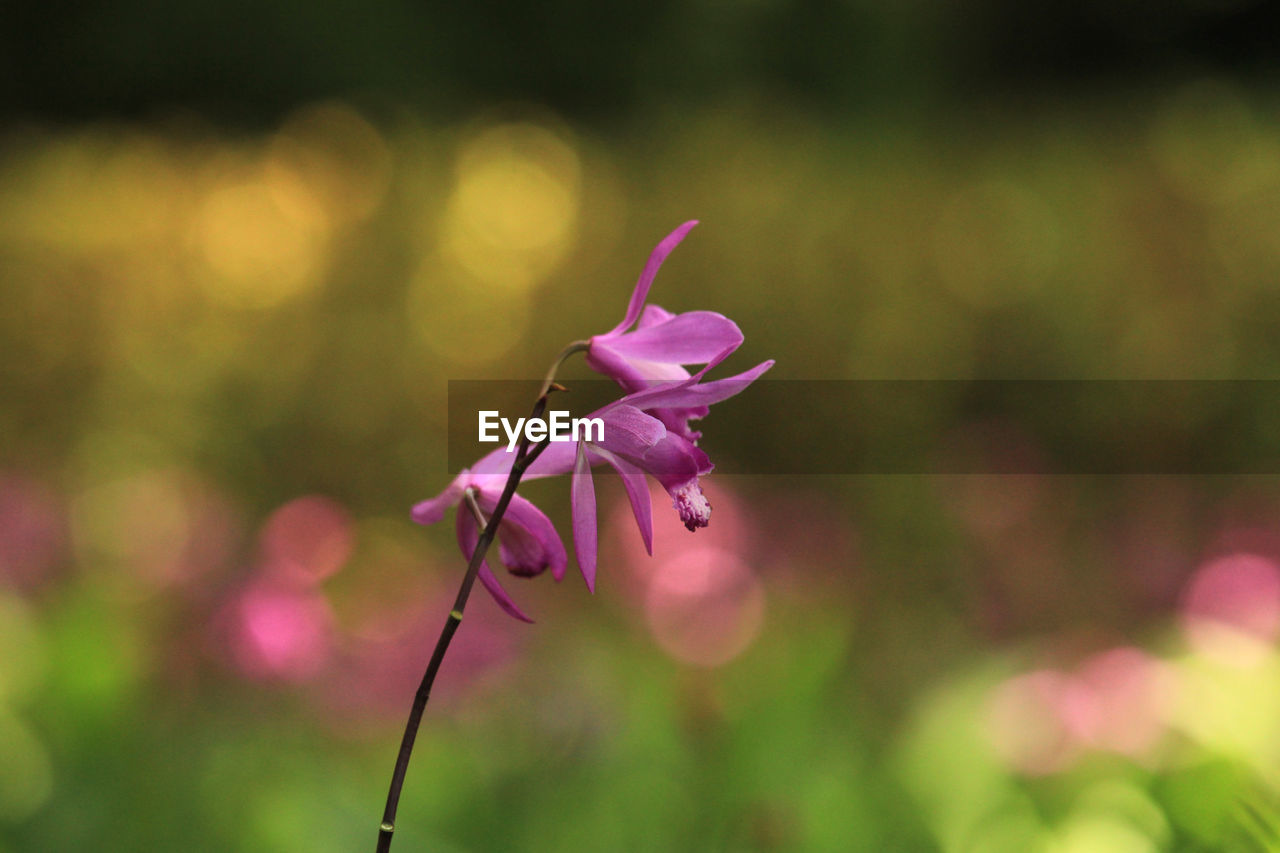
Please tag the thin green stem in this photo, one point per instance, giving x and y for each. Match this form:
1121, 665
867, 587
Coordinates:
550, 380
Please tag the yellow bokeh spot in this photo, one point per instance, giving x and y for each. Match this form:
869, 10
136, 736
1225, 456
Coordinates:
327, 160
513, 213
1121, 801
260, 252
1096, 834
99, 190
1228, 708
464, 320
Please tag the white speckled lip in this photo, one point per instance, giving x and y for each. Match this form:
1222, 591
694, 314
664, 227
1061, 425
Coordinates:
692, 504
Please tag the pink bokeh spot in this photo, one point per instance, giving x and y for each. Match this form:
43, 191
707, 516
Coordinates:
279, 633
1130, 693
1041, 722
307, 539
705, 606
1033, 721
1231, 607
32, 532
728, 528
373, 676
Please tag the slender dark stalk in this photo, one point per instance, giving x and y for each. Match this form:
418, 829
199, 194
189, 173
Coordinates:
524, 458
549, 382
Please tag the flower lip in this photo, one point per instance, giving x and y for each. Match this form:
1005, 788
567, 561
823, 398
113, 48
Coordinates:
692, 505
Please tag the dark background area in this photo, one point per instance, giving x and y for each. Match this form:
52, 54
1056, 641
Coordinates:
248, 62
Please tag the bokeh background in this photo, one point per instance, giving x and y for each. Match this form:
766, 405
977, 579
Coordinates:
243, 247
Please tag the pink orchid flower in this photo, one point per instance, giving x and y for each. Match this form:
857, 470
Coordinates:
527, 540
662, 343
635, 442
639, 441
645, 432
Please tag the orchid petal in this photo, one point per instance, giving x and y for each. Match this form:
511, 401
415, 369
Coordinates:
637, 493
677, 420
629, 431
529, 539
557, 459
499, 594
633, 374
656, 258
432, 510
606, 362
582, 497
694, 337
647, 374
692, 393
675, 460
653, 315
468, 537
497, 461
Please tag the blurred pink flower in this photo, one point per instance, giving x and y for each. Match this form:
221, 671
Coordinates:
1233, 598
1130, 693
372, 674
307, 539
705, 606
281, 633
32, 531
1115, 701
1033, 718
